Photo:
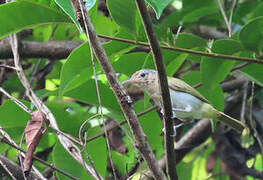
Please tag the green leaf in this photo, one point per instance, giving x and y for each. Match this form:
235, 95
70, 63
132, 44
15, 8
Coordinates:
251, 35
254, 72
64, 161
173, 66
123, 13
86, 93
215, 70
199, 13
159, 6
129, 63
26, 15
189, 41
11, 115
77, 63
68, 8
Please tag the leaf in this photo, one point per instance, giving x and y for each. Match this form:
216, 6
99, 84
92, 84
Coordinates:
215, 70
77, 63
198, 13
89, 4
68, 8
123, 13
12, 116
251, 35
35, 14
189, 41
159, 6
173, 66
33, 133
64, 161
254, 72
86, 93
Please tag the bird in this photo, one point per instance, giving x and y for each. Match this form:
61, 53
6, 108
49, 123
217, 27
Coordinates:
187, 102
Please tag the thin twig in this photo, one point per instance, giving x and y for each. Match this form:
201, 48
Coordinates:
225, 18
190, 51
252, 121
98, 91
120, 124
19, 103
6, 66
70, 147
7, 170
163, 85
121, 94
6, 141
244, 102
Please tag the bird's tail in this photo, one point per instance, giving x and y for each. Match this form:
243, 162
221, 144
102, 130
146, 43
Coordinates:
235, 124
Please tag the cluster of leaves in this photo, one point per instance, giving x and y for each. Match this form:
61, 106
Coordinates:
69, 89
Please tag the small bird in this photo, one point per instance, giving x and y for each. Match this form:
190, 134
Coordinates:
187, 102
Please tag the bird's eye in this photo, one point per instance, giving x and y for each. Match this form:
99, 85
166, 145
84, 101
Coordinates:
142, 75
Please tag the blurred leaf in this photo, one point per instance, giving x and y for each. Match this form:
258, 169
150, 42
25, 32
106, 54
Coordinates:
159, 6
35, 14
199, 13
254, 72
100, 22
173, 66
89, 4
215, 70
189, 41
123, 12
251, 35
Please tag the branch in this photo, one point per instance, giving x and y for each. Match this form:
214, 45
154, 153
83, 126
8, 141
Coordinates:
11, 169
163, 85
200, 53
71, 148
30, 49
120, 93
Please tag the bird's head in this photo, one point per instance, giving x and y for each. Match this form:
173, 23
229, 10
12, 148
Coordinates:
145, 79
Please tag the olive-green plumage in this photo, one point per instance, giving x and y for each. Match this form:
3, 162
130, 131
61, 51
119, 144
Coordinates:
187, 102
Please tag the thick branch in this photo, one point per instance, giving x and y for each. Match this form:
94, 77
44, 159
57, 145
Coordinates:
31, 49
14, 169
166, 100
119, 91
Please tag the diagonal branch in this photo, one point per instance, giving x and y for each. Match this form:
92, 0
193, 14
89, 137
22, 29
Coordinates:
121, 95
162, 78
71, 148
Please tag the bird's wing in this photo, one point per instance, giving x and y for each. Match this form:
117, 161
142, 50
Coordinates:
179, 85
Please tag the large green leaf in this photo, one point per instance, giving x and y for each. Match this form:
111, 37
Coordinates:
86, 93
77, 63
254, 72
251, 35
215, 70
189, 41
11, 115
65, 162
123, 13
26, 15
158, 6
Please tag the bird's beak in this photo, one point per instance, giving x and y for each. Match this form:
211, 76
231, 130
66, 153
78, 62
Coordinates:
129, 81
